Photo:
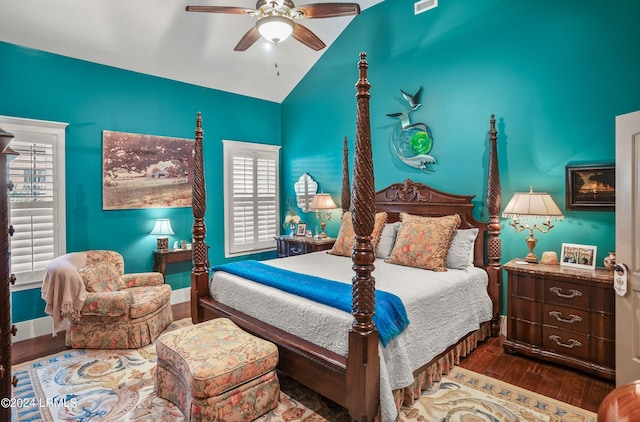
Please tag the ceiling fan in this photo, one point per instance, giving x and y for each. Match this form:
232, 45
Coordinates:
276, 20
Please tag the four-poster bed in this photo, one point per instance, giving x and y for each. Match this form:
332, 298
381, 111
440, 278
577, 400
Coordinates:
352, 379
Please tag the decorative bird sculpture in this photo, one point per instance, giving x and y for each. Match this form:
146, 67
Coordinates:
413, 100
411, 142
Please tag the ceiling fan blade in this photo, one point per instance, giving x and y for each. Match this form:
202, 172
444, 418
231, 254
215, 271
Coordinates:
308, 38
247, 40
325, 10
221, 9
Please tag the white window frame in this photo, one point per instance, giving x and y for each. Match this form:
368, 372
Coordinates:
20, 128
232, 149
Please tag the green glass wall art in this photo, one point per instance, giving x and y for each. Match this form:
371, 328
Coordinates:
412, 142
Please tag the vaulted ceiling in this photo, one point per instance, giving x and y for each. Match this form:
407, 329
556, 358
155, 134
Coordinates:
158, 37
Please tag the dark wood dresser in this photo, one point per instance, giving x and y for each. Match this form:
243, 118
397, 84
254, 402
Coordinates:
562, 314
300, 245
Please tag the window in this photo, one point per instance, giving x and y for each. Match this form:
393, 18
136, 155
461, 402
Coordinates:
37, 200
251, 197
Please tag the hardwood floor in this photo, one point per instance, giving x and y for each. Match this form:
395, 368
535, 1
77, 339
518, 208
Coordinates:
555, 381
551, 380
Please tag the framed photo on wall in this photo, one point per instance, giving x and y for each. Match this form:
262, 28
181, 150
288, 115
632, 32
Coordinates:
302, 229
591, 187
580, 256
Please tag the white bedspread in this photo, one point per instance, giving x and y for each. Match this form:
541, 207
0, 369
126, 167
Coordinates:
442, 308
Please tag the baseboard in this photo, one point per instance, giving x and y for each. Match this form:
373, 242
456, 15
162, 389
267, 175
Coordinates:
33, 328
181, 295
43, 326
503, 325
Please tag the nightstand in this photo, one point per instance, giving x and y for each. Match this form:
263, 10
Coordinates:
170, 256
300, 245
562, 314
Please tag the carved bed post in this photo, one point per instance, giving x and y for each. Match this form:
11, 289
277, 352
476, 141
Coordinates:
363, 364
494, 244
200, 272
346, 191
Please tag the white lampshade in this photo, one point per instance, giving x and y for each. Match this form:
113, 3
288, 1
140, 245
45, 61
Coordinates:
275, 28
532, 204
322, 201
162, 227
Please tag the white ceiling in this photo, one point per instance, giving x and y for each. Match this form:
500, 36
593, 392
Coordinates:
158, 37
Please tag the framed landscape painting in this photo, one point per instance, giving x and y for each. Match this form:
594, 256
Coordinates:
591, 187
146, 171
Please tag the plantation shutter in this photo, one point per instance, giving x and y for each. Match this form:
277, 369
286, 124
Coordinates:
251, 200
36, 200
32, 245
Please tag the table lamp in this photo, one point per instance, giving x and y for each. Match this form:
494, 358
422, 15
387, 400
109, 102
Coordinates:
532, 205
322, 202
162, 229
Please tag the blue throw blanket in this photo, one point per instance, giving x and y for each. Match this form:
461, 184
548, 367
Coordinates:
390, 316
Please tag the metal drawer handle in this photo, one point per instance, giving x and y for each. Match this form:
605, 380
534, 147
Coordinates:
572, 318
296, 251
571, 295
572, 343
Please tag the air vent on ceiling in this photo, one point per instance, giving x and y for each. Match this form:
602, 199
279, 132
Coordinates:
424, 5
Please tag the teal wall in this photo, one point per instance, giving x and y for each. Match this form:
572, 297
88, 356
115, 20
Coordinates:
93, 98
554, 73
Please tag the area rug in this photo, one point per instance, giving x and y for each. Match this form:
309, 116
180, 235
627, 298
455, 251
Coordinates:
117, 385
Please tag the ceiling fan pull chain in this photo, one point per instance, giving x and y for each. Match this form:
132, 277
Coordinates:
275, 59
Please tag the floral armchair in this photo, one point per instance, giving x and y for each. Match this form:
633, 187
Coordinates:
106, 308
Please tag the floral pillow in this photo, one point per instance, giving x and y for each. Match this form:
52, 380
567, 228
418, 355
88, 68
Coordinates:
423, 242
102, 277
346, 235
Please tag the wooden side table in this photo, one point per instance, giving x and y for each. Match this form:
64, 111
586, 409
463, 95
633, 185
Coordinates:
162, 258
562, 314
300, 245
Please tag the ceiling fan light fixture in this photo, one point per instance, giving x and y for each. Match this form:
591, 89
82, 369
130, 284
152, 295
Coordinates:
275, 28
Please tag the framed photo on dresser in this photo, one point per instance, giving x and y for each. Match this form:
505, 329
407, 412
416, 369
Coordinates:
579, 256
302, 229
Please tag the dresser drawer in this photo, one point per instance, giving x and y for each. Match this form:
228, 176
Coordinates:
603, 300
525, 332
524, 309
603, 352
300, 245
566, 294
566, 318
295, 248
568, 343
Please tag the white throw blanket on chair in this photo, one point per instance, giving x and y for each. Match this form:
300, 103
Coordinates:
63, 289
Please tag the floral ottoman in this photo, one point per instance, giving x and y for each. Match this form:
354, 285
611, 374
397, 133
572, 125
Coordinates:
214, 371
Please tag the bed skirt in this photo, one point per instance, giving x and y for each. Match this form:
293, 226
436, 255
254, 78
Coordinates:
440, 366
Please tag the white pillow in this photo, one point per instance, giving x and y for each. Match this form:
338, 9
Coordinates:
460, 255
387, 240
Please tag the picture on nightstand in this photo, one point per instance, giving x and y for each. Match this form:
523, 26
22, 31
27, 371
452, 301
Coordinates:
580, 256
302, 229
